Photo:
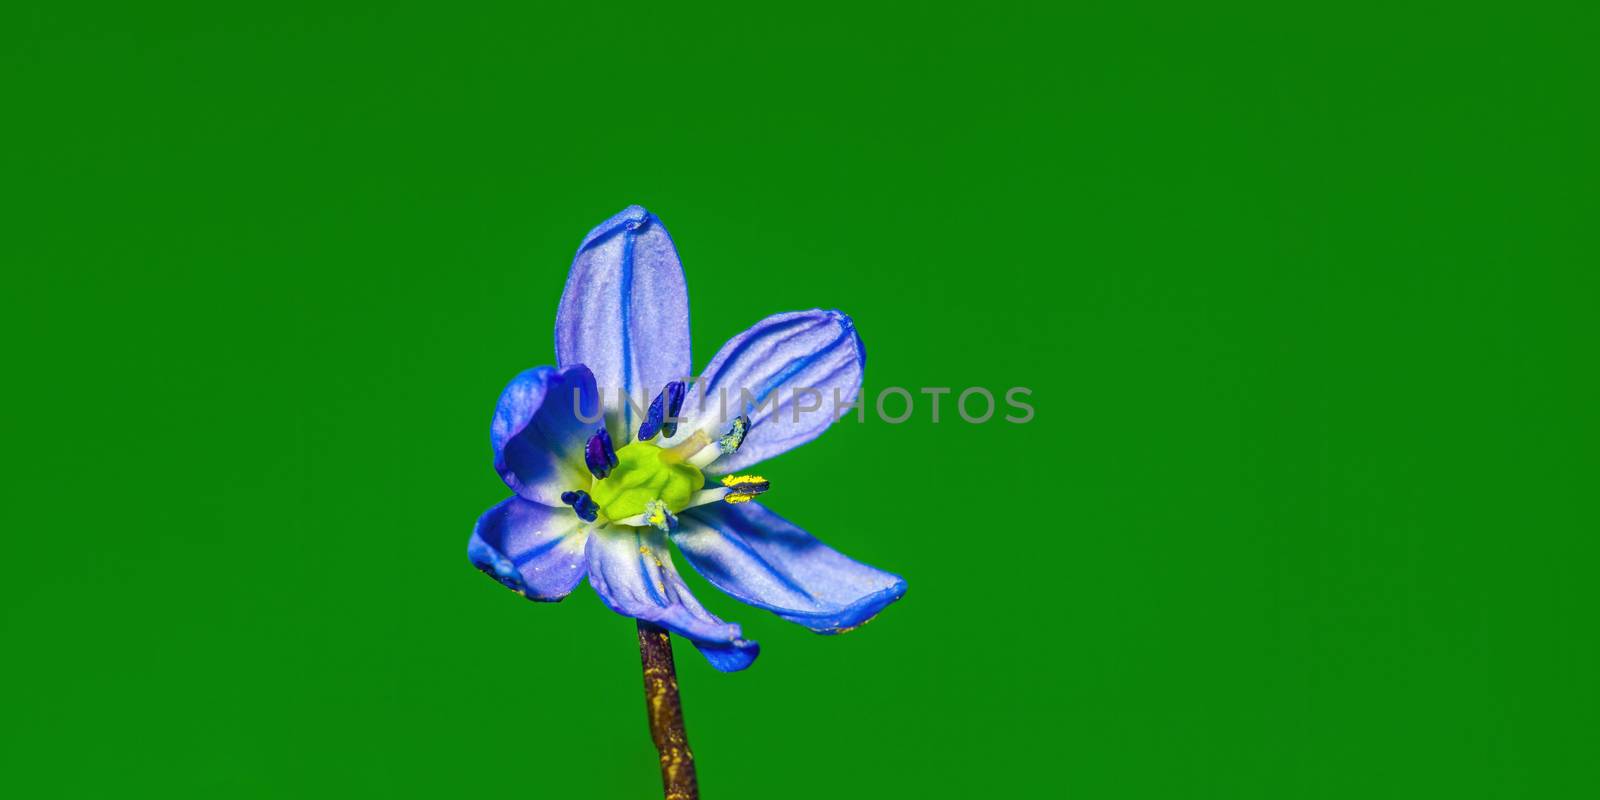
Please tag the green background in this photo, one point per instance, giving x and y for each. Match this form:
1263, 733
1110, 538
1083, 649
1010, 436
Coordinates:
1306, 301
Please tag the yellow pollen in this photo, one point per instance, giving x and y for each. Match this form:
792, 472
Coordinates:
656, 514
742, 488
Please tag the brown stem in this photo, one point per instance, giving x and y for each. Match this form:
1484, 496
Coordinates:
665, 711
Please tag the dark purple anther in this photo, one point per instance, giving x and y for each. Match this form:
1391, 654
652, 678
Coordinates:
675, 393
599, 454
663, 414
582, 504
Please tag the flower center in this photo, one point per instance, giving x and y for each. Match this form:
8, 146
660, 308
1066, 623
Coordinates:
642, 475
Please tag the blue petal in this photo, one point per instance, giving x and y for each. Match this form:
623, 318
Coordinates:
757, 374
729, 657
538, 436
766, 561
532, 549
625, 313
632, 570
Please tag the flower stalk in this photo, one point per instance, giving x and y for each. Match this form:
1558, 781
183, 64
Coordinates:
665, 712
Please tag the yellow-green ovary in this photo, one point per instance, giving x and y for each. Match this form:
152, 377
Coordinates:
641, 476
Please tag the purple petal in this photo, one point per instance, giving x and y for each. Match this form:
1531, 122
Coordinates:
532, 549
766, 561
625, 313
758, 373
631, 569
537, 435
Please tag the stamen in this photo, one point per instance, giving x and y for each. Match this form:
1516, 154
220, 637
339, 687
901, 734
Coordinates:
742, 488
730, 441
582, 504
675, 393
700, 451
685, 450
663, 414
599, 454
706, 497
658, 515
735, 489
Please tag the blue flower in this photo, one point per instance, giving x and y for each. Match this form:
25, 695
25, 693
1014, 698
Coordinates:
584, 505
